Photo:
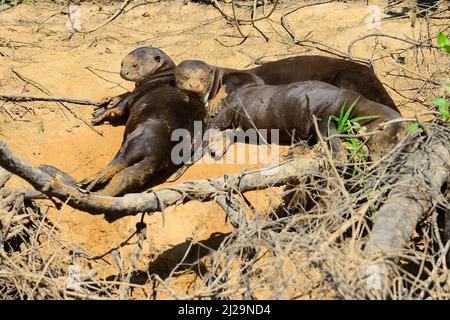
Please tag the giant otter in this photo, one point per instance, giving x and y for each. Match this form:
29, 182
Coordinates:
206, 80
154, 113
289, 108
142, 62
147, 67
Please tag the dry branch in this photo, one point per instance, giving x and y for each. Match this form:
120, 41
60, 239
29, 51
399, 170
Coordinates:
111, 18
230, 18
47, 92
424, 173
4, 177
131, 204
286, 26
23, 97
422, 44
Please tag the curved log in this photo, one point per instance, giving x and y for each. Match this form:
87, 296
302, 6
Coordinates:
132, 204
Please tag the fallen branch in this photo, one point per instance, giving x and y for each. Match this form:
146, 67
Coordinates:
28, 194
286, 26
379, 34
41, 88
4, 177
23, 97
230, 18
424, 173
131, 204
110, 19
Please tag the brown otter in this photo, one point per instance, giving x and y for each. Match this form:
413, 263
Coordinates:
206, 80
154, 114
140, 63
147, 67
289, 108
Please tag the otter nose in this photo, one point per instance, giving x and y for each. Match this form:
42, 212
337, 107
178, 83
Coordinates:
194, 85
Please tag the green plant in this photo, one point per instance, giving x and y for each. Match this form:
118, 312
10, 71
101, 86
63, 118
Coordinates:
414, 127
443, 42
350, 125
442, 103
443, 107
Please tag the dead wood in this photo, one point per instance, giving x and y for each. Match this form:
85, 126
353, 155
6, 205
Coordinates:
414, 194
422, 44
233, 18
286, 26
23, 97
122, 7
47, 92
131, 204
4, 176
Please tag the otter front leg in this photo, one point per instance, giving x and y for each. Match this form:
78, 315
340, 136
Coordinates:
111, 109
106, 103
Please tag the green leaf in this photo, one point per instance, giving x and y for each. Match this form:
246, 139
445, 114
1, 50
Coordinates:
349, 110
443, 42
443, 110
414, 127
341, 114
442, 39
443, 107
440, 102
344, 126
444, 113
357, 119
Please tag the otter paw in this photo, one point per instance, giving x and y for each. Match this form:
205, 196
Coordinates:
106, 115
107, 103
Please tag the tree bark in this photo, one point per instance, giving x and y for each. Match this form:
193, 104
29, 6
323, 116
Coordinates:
23, 97
131, 204
423, 175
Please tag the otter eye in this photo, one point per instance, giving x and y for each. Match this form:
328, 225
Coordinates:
157, 58
134, 65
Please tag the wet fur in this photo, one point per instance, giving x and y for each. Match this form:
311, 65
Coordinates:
290, 107
145, 154
147, 67
344, 74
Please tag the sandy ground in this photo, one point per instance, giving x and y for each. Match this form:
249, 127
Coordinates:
35, 42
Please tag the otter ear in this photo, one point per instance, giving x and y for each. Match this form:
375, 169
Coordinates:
157, 58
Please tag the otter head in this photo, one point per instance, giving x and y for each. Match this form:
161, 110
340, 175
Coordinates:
144, 63
195, 76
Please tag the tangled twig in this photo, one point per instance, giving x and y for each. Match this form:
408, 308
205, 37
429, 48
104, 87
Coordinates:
423, 44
